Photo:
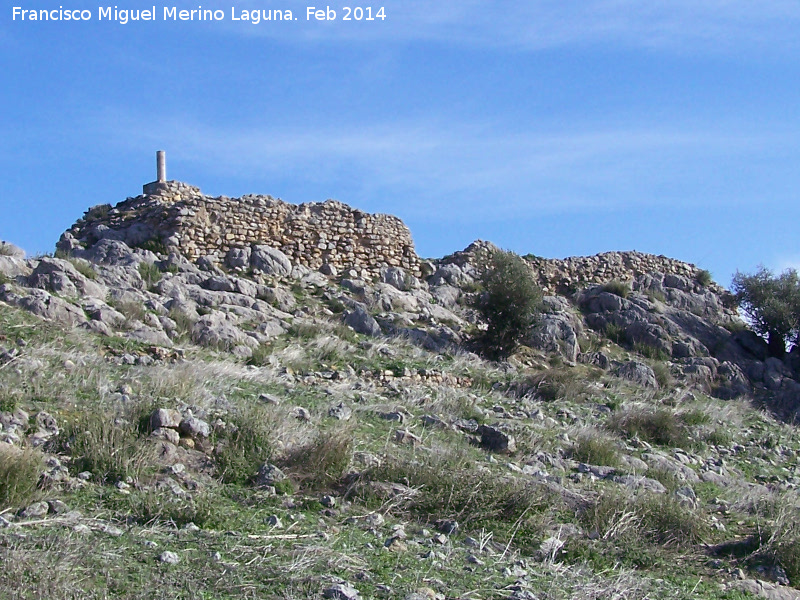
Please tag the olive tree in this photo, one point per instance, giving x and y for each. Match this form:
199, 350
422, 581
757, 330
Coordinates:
510, 301
772, 304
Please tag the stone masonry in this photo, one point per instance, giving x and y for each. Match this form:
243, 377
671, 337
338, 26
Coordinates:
174, 216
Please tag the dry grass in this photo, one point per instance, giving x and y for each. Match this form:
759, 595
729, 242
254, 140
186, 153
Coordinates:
19, 476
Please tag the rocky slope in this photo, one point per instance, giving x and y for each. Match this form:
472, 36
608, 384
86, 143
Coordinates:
245, 426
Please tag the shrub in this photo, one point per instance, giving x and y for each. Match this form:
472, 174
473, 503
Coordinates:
150, 273
19, 476
772, 305
618, 288
245, 445
657, 426
509, 304
84, 268
99, 211
703, 277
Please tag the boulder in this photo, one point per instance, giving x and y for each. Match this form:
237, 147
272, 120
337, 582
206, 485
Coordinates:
637, 372
362, 322
270, 260
238, 258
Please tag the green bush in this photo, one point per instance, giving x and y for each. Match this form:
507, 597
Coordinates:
19, 476
618, 288
509, 304
703, 277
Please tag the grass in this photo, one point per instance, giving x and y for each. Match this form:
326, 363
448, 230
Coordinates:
107, 446
150, 274
593, 447
614, 332
19, 476
247, 442
655, 425
618, 288
322, 462
85, 268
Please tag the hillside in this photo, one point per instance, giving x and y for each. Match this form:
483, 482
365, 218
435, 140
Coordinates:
300, 410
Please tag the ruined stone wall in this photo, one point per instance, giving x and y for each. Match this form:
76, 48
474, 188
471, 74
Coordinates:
577, 271
565, 275
180, 218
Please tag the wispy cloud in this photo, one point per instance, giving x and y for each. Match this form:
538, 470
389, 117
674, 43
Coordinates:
443, 167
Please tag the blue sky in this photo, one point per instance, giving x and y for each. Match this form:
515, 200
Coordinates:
555, 127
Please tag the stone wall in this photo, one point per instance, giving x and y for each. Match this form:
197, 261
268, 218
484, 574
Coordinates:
175, 216
566, 275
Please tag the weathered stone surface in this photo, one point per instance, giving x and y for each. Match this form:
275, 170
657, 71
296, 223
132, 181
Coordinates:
270, 260
362, 322
638, 373
496, 440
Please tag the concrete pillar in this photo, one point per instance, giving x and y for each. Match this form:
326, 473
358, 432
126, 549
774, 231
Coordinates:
161, 165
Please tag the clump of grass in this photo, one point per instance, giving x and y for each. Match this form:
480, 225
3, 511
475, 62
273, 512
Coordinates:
133, 311
150, 274
246, 444
662, 374
703, 277
183, 323
657, 426
666, 521
618, 288
150, 506
655, 296
19, 476
614, 332
108, 447
154, 245
595, 448
650, 352
99, 211
448, 485
649, 518
322, 462
555, 384
260, 356
84, 268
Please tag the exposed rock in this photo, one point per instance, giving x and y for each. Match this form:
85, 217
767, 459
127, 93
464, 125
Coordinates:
270, 260
268, 475
496, 440
362, 322
638, 373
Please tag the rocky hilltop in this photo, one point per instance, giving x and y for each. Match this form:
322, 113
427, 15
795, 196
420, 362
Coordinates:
246, 398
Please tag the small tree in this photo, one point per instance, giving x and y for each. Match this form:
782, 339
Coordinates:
772, 303
509, 303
